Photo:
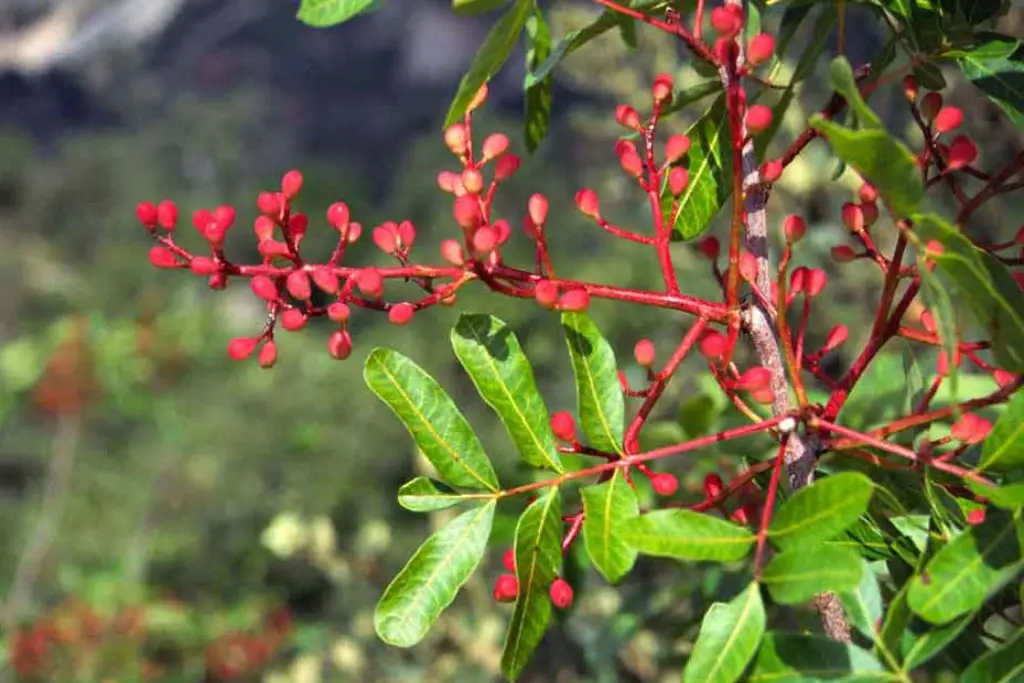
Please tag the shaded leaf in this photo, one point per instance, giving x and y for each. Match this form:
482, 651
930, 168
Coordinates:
921, 648
841, 77
997, 68
794, 658
467, 8
822, 510
432, 419
888, 164
1001, 665
538, 550
798, 574
425, 495
709, 163
940, 305
863, 604
489, 59
1007, 496
1004, 447
323, 13
606, 508
688, 535
429, 582
502, 374
729, 636
964, 573
991, 293
538, 96
601, 406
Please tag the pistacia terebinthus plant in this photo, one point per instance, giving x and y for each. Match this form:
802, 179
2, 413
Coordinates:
905, 535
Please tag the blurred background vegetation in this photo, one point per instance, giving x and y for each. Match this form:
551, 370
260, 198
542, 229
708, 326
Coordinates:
170, 515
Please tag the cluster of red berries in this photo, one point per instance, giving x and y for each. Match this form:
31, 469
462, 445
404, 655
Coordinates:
506, 586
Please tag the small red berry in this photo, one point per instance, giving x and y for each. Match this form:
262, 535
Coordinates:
627, 117
202, 265
269, 204
931, 104
725, 21
771, 171
508, 559
167, 214
241, 348
147, 214
664, 483
340, 345
291, 184
298, 285
561, 594
494, 146
676, 147
794, 228
546, 293
976, 516
1004, 378
662, 89
574, 301
338, 216
760, 49
755, 378
644, 353
506, 167
263, 287
631, 163
948, 119
678, 180
758, 118
713, 485
841, 253
586, 201
326, 280
506, 588
370, 282
297, 225
293, 319
962, 152
713, 345
339, 312
710, 247
563, 426
401, 314
162, 257
868, 193
466, 210
268, 355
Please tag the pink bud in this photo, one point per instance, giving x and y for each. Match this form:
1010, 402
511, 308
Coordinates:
293, 319
836, 337
473, 181
201, 265
291, 183
338, 216
264, 228
407, 234
713, 485
586, 201
760, 49
325, 279
948, 119
758, 118
853, 217
385, 236
263, 287
816, 281
494, 146
710, 247
401, 314
771, 171
574, 301
631, 163
537, 207
798, 279
340, 345
446, 180
678, 180
627, 117
662, 89
506, 167
563, 426
467, 211
506, 588
268, 355
644, 353
485, 239
241, 348
748, 266
714, 345
676, 147
726, 21
457, 139
868, 194
147, 214
1004, 378
269, 204
451, 251
546, 293
962, 152
843, 254
339, 312
931, 104
794, 228
664, 484
370, 282
298, 285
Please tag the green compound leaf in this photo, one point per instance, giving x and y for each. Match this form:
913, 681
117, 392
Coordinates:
728, 639
601, 406
538, 550
323, 13
606, 508
538, 96
432, 419
972, 567
821, 511
426, 495
709, 163
502, 374
688, 535
1004, 447
793, 658
492, 55
429, 582
795, 576
888, 164
990, 292
1001, 665
996, 67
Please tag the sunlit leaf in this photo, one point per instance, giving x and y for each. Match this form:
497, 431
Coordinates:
1004, 446
969, 569
491, 354
606, 508
729, 636
492, 55
798, 574
821, 511
432, 418
996, 66
601, 405
538, 551
798, 658
323, 13
425, 495
863, 604
688, 535
429, 582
